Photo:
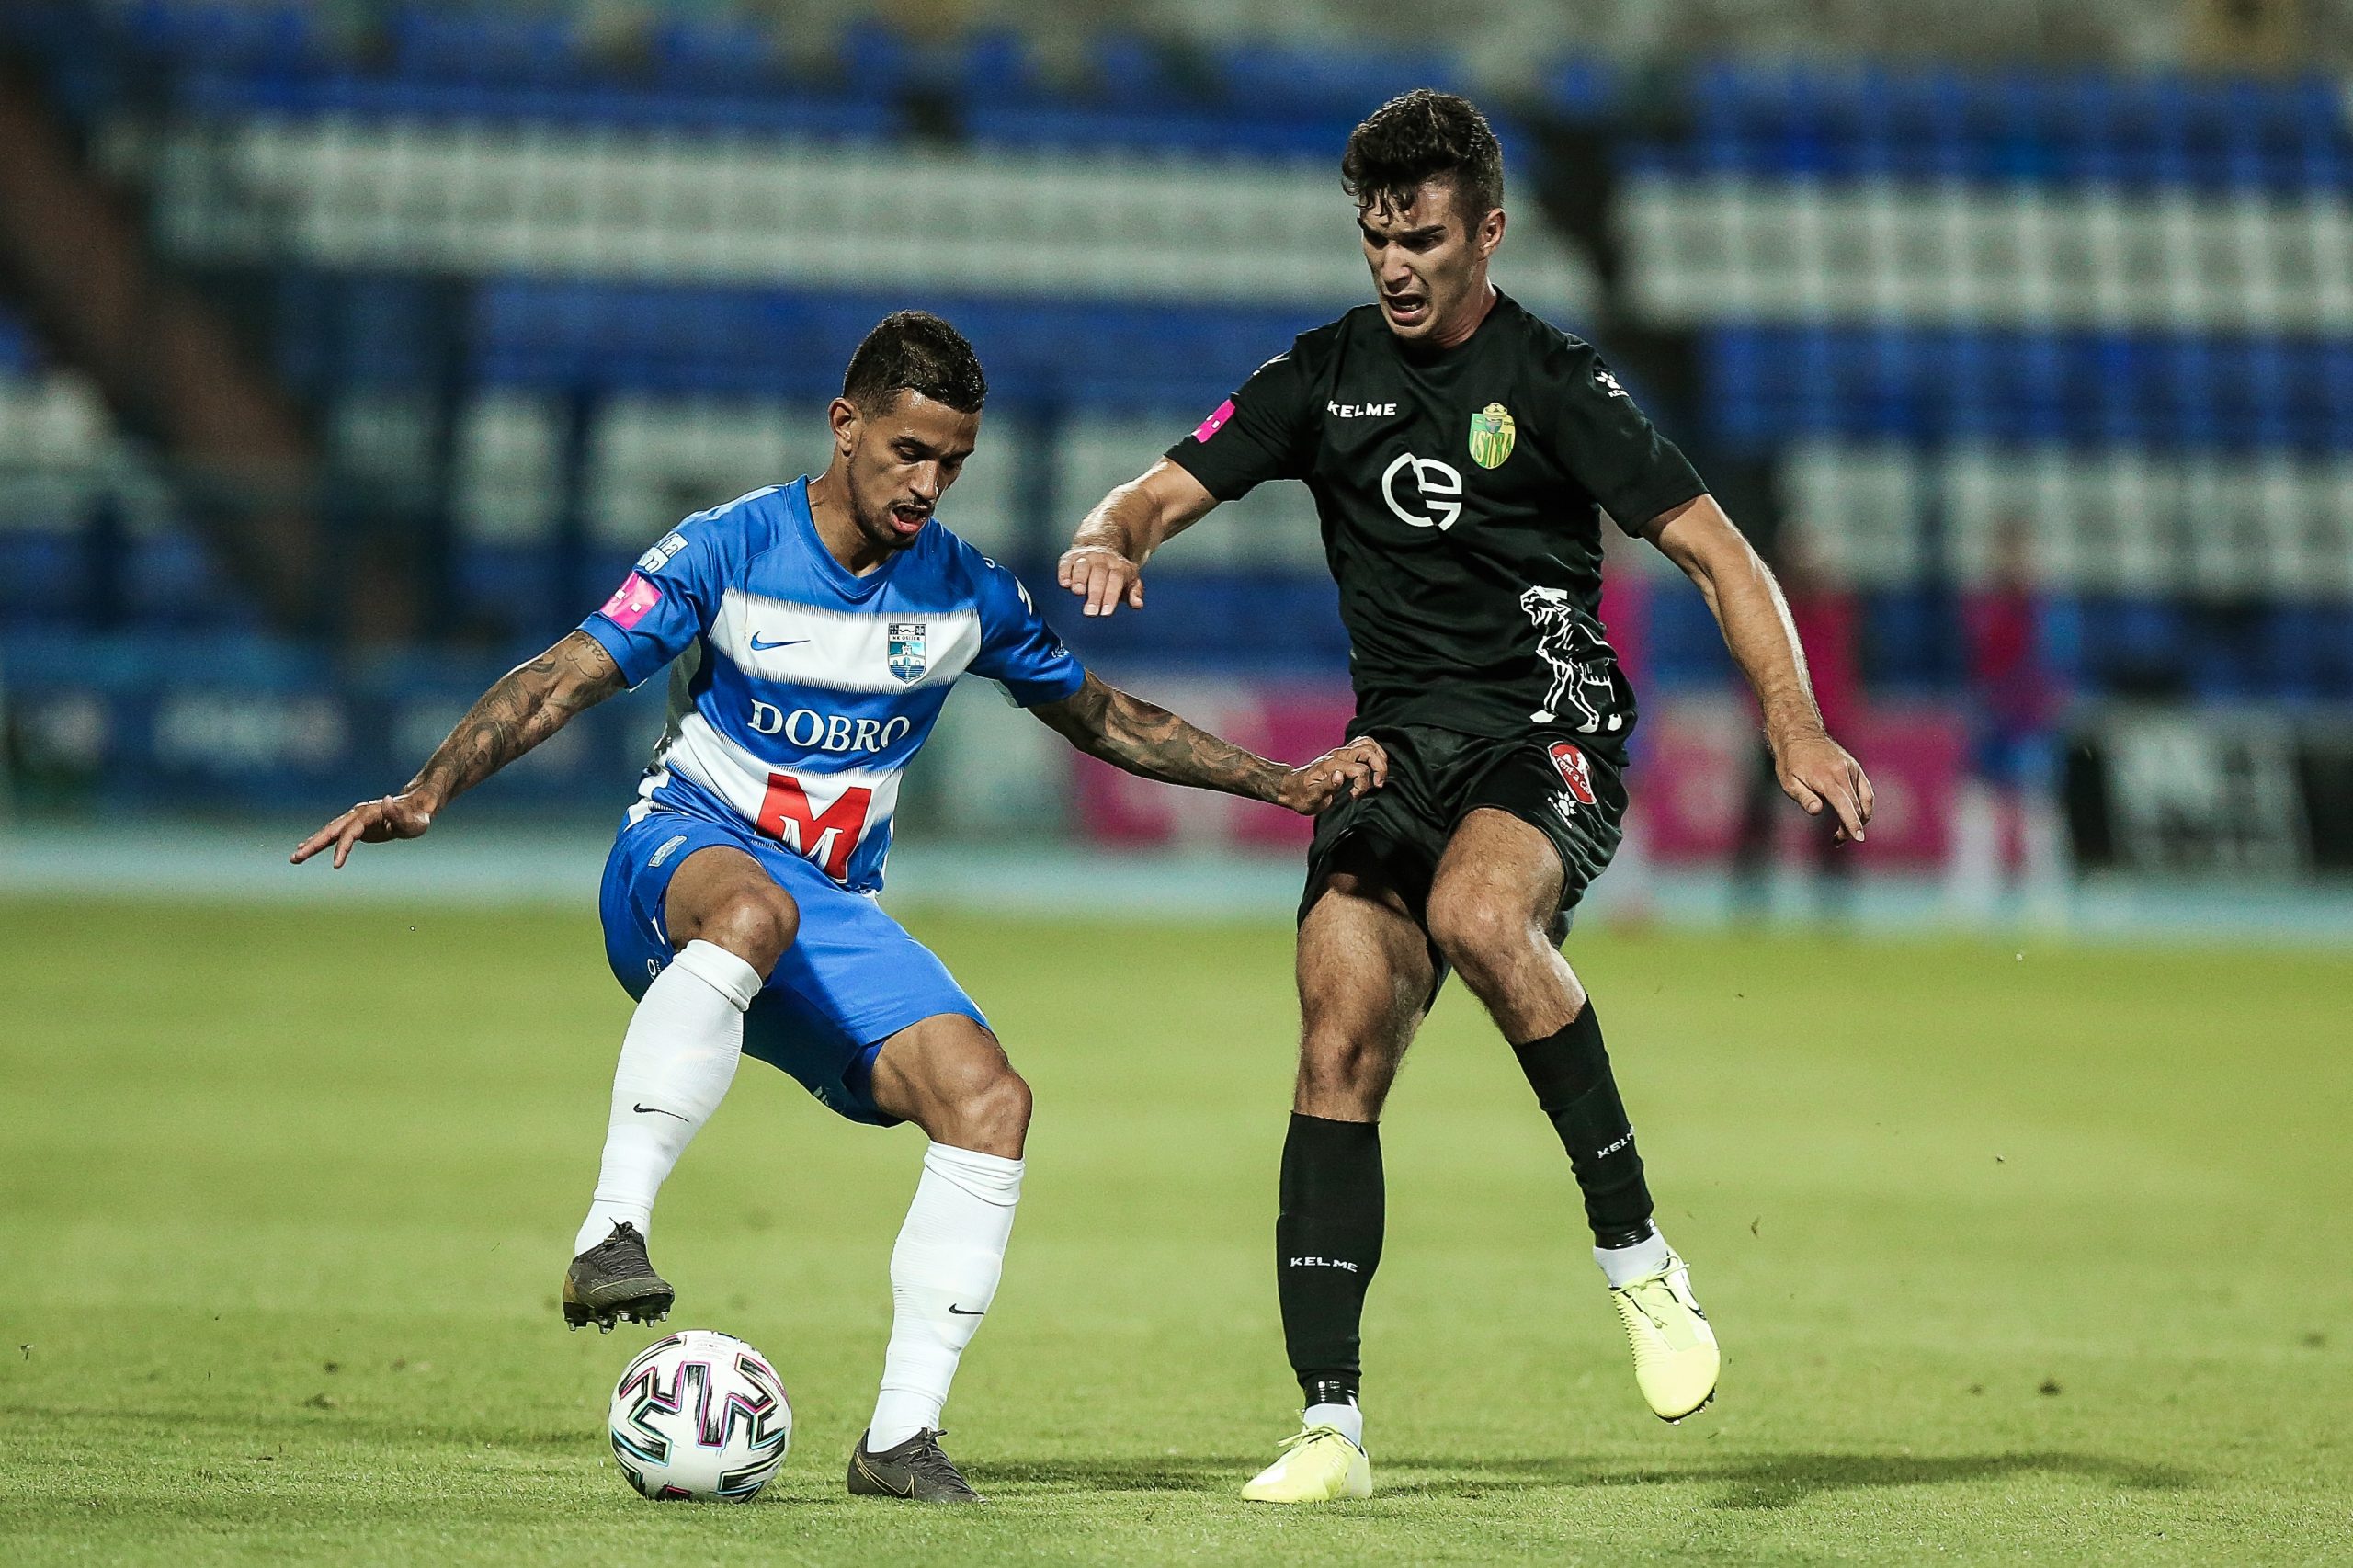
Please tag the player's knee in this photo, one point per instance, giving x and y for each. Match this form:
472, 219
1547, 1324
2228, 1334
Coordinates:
1001, 1106
1479, 934
756, 924
988, 1108
1341, 1070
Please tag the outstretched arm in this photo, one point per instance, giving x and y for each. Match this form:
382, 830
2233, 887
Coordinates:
1105, 562
526, 705
1152, 743
1815, 771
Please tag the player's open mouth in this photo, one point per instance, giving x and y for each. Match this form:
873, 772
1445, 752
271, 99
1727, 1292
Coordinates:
907, 520
1406, 309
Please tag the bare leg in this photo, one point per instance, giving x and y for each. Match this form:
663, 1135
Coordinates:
1491, 912
1364, 981
722, 896
727, 924
949, 1076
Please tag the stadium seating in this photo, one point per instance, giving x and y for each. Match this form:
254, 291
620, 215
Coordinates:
2113, 312
90, 534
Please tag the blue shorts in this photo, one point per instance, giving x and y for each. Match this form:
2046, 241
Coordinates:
851, 980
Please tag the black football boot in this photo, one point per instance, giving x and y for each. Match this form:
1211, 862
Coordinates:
613, 1281
915, 1469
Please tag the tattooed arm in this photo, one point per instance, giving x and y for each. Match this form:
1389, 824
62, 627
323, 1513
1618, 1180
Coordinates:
1152, 743
528, 703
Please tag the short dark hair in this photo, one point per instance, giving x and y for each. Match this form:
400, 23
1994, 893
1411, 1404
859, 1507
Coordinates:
1425, 135
914, 351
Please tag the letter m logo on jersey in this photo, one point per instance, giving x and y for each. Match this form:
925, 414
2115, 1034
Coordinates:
907, 656
827, 837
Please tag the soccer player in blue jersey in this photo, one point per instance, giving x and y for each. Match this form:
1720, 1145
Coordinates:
813, 631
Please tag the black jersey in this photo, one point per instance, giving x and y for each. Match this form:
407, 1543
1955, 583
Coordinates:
1459, 492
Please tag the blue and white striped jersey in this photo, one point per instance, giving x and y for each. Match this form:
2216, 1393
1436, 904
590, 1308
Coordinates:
801, 691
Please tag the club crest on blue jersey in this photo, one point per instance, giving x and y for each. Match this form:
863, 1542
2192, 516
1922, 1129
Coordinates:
907, 657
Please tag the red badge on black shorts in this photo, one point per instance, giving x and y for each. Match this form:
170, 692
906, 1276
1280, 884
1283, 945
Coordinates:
1574, 772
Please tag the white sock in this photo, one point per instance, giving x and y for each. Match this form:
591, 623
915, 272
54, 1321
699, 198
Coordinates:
678, 1059
1623, 1266
943, 1275
1347, 1417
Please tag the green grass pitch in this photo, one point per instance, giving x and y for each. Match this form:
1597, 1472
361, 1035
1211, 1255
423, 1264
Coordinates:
2013, 1257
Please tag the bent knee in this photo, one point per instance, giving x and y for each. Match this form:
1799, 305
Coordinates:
1000, 1105
1343, 1075
1478, 932
754, 924
986, 1108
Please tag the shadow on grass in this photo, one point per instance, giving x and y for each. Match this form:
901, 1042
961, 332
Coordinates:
1757, 1481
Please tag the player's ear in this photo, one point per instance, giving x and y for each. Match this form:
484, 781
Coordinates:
846, 419
1490, 233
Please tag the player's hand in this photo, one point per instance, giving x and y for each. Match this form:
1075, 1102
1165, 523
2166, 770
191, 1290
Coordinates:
1102, 576
1347, 770
370, 821
1818, 774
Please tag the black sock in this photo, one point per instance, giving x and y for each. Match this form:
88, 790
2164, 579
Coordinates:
1570, 1073
1327, 1243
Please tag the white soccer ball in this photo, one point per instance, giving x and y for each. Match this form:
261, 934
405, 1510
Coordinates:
701, 1416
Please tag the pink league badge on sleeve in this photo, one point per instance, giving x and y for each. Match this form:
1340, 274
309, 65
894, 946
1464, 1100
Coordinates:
1215, 422
630, 602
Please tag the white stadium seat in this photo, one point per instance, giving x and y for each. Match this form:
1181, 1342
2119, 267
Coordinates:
1729, 249
474, 200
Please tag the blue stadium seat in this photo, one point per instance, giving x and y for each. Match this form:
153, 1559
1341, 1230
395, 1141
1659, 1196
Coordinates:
1766, 385
995, 65
2136, 646
43, 578
1682, 646
1584, 88
1323, 82
555, 337
1909, 639
729, 53
171, 581
486, 45
2292, 653
1204, 617
2006, 126
269, 39
19, 355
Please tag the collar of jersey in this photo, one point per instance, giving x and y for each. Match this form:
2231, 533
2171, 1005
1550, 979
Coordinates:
1454, 358
844, 581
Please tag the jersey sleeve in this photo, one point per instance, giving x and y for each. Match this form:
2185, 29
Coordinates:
1255, 435
1614, 450
670, 595
1019, 650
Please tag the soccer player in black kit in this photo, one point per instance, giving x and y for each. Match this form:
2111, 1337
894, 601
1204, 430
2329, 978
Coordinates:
1460, 451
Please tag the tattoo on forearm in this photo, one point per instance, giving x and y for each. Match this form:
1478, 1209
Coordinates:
1152, 743
526, 705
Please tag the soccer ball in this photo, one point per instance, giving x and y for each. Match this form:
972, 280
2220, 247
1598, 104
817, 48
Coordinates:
701, 1416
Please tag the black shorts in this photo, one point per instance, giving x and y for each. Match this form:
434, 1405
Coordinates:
1559, 783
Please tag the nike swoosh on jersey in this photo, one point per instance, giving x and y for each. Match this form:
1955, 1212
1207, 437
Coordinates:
760, 647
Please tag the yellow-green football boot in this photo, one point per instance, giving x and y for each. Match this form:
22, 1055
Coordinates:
1319, 1465
1675, 1359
